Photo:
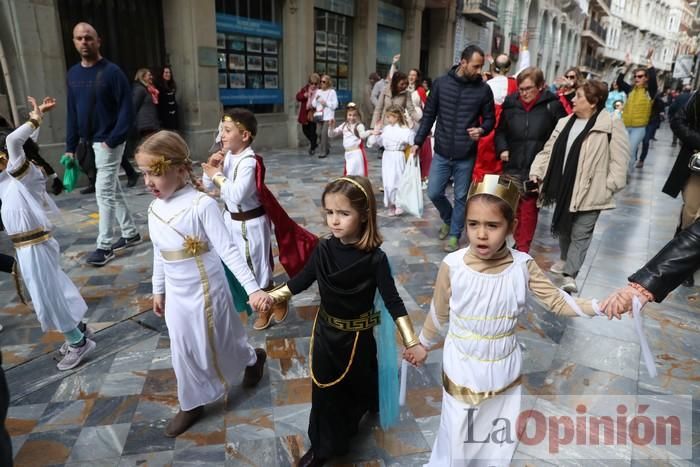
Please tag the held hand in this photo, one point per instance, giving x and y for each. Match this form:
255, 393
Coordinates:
620, 301
47, 105
414, 149
416, 355
505, 156
475, 133
210, 170
376, 132
260, 301
159, 305
216, 159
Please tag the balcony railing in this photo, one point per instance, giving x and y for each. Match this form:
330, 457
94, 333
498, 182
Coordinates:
596, 28
481, 11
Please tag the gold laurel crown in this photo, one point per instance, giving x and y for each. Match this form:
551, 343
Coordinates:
499, 187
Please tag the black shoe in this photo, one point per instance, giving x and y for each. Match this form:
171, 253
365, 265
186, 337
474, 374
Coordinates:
88, 190
132, 180
253, 374
310, 460
57, 186
689, 282
312, 150
323, 156
124, 243
100, 257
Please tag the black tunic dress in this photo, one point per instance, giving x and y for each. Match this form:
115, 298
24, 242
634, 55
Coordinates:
347, 279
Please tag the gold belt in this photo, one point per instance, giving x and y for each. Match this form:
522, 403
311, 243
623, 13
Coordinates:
361, 323
354, 148
32, 237
469, 396
22, 170
185, 253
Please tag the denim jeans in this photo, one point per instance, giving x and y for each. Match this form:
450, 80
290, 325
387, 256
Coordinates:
636, 134
441, 169
649, 133
110, 198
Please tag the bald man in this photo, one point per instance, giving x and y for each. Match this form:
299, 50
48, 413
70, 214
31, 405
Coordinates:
99, 116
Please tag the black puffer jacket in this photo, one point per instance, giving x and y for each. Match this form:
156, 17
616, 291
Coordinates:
458, 104
685, 124
523, 134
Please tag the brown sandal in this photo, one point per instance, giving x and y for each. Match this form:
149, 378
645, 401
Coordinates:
183, 421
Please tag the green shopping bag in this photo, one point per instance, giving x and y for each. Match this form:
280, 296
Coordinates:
71, 172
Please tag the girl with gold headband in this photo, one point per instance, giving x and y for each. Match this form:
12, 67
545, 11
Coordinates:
479, 293
349, 267
208, 342
55, 299
354, 133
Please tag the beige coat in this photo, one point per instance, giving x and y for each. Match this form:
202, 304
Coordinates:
402, 99
602, 166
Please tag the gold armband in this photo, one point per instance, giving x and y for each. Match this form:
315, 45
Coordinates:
408, 335
219, 180
34, 122
281, 293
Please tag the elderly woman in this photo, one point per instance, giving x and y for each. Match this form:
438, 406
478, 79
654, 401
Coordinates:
582, 165
396, 93
324, 101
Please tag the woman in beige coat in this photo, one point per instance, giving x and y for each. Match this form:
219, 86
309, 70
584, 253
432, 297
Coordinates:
396, 94
582, 165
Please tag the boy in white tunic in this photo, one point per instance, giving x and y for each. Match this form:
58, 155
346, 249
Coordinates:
235, 175
479, 293
208, 343
56, 300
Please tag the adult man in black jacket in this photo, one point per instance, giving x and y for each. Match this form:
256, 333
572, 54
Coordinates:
463, 104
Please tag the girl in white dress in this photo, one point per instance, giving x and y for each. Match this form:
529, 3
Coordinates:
479, 293
56, 300
395, 137
208, 343
354, 133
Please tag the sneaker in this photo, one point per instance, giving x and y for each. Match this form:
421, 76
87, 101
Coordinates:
639, 164
264, 320
253, 374
87, 332
558, 267
424, 185
444, 232
76, 355
124, 243
451, 245
569, 285
100, 257
89, 190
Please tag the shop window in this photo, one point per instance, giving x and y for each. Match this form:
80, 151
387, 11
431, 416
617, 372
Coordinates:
388, 45
333, 49
250, 55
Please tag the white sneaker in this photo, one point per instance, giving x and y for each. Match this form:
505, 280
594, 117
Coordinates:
88, 335
569, 285
75, 355
424, 184
558, 267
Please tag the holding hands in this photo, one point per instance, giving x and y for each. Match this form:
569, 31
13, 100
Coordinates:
260, 301
415, 355
620, 301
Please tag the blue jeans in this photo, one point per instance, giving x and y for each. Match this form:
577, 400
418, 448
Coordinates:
636, 134
441, 169
649, 133
110, 198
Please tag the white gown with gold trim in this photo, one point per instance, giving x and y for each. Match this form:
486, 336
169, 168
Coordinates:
208, 342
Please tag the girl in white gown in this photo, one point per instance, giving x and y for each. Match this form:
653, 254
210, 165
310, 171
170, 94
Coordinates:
479, 293
353, 132
56, 300
208, 343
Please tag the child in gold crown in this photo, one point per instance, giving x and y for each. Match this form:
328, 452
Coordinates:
479, 293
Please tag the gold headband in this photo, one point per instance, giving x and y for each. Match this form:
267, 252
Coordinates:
240, 125
497, 186
161, 165
350, 180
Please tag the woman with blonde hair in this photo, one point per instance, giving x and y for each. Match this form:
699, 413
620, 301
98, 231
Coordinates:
325, 101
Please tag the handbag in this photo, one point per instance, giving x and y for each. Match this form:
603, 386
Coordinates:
410, 193
694, 163
84, 153
310, 116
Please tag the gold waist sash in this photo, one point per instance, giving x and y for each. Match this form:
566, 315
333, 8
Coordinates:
361, 323
185, 253
30, 238
353, 148
22, 170
469, 396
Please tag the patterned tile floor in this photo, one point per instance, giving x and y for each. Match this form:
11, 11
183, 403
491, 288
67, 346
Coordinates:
112, 410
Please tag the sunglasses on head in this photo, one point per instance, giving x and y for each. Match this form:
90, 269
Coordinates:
571, 76
640, 76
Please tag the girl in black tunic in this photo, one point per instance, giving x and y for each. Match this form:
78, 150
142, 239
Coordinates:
349, 267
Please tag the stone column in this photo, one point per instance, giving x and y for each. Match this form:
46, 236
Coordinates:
442, 27
364, 47
411, 37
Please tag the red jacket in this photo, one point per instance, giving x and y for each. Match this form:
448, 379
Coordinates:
303, 111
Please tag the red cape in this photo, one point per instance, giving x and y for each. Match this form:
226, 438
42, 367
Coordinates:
295, 243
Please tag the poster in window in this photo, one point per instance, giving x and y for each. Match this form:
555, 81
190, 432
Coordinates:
332, 69
254, 63
320, 53
343, 42
343, 70
222, 80
270, 46
321, 68
236, 62
221, 60
237, 80
255, 80
343, 84
271, 82
220, 41
321, 37
343, 56
236, 43
332, 40
254, 44
332, 55
270, 64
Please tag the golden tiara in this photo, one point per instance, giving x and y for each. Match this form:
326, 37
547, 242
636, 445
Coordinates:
499, 187
356, 184
239, 124
160, 165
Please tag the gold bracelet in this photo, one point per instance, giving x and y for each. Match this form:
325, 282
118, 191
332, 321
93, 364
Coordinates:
34, 122
280, 294
408, 335
219, 179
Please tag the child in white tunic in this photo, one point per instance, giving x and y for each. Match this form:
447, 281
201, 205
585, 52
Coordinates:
353, 132
395, 137
245, 217
479, 293
56, 300
208, 343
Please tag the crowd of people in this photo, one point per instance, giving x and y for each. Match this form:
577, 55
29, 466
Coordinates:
506, 142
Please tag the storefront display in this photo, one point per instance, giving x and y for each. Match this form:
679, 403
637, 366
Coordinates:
332, 50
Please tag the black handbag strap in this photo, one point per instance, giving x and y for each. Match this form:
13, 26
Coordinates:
93, 101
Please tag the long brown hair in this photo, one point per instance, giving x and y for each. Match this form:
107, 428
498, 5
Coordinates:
173, 148
362, 200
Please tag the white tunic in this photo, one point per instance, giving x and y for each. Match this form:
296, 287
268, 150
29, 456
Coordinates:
55, 299
208, 343
354, 159
240, 193
394, 139
481, 353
